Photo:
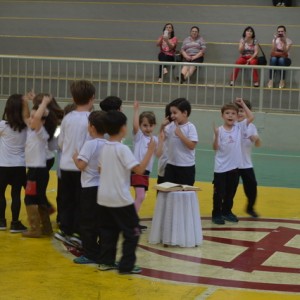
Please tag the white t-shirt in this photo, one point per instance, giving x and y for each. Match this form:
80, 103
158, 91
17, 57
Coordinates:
12, 146
178, 153
89, 153
229, 155
116, 161
140, 147
36, 148
247, 145
73, 134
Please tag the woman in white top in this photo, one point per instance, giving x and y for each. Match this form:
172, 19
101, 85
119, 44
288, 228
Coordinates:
12, 159
280, 55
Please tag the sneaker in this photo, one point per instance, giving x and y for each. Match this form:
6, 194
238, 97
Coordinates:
270, 84
278, 4
82, 260
3, 224
17, 227
256, 84
105, 267
159, 80
231, 83
75, 240
218, 220
143, 227
135, 270
252, 213
230, 218
61, 236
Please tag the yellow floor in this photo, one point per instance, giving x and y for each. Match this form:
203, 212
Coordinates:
42, 269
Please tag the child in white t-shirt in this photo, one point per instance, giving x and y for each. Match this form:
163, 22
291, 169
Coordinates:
73, 134
116, 211
143, 126
249, 139
228, 157
87, 162
181, 138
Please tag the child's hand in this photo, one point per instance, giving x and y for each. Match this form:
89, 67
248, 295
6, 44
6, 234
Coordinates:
178, 131
30, 95
239, 101
216, 129
162, 136
136, 105
75, 155
152, 145
47, 99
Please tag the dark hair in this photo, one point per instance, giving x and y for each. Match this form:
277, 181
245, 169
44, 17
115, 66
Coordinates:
114, 121
111, 103
282, 26
231, 106
195, 27
172, 33
168, 112
55, 115
182, 104
82, 91
149, 115
247, 102
248, 28
13, 112
97, 119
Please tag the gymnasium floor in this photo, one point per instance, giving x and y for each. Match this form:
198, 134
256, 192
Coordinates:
254, 259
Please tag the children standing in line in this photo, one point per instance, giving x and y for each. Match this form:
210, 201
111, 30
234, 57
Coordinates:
116, 206
12, 159
181, 138
37, 174
72, 136
143, 126
227, 144
249, 138
87, 162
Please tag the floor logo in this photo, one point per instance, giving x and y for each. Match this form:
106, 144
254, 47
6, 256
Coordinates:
254, 254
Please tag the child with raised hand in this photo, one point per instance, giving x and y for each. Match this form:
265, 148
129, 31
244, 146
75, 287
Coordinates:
181, 138
143, 126
12, 158
87, 162
73, 134
37, 174
228, 156
116, 211
249, 139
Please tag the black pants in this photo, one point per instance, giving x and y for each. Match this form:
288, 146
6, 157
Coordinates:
112, 221
88, 222
70, 198
41, 177
225, 186
16, 177
163, 57
250, 186
180, 175
49, 164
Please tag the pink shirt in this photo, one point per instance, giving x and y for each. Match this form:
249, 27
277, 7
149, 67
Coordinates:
164, 48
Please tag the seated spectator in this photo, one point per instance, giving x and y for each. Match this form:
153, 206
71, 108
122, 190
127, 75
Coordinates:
280, 55
192, 50
248, 48
167, 43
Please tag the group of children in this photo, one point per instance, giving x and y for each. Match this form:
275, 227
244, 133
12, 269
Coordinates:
96, 169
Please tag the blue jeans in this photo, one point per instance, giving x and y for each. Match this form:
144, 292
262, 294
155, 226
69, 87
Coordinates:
279, 61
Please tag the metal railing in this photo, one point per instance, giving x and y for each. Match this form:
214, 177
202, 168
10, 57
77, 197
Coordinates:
207, 88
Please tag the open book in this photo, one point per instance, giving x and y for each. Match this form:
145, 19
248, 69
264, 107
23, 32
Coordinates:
173, 187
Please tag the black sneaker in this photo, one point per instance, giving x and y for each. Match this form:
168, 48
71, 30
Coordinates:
252, 213
3, 224
136, 270
230, 218
17, 227
218, 220
143, 227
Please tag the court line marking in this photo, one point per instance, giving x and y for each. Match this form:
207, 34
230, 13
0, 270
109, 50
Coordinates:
77, 38
137, 21
147, 4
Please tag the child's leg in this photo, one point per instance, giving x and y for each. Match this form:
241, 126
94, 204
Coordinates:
109, 234
3, 185
128, 221
250, 186
88, 222
139, 197
232, 181
218, 195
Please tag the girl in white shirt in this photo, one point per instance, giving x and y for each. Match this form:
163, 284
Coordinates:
12, 159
